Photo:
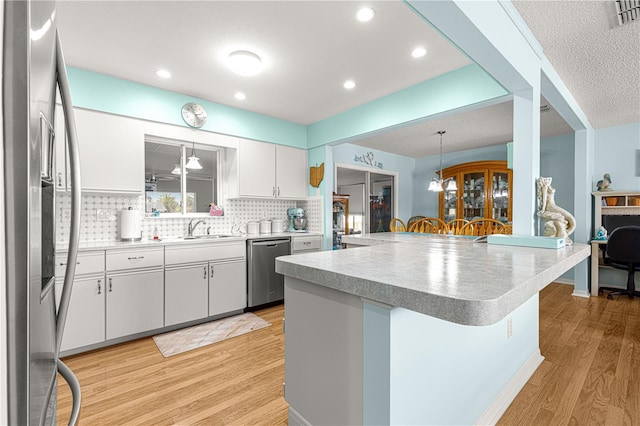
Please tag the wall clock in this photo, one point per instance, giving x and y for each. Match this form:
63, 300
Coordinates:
194, 114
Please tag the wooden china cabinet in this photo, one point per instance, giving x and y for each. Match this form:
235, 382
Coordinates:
484, 192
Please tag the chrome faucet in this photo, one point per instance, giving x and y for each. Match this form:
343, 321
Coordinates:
192, 227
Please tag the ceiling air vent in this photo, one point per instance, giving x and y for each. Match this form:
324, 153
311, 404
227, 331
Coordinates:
628, 11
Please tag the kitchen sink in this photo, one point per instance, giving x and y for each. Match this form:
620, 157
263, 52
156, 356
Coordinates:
206, 237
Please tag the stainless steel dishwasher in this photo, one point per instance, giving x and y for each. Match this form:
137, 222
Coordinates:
264, 284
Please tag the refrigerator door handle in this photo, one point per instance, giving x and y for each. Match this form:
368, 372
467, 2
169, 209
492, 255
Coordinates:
74, 231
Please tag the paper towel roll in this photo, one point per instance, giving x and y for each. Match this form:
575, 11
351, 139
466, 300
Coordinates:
130, 225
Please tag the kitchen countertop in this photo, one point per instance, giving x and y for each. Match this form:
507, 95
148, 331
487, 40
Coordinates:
446, 277
103, 245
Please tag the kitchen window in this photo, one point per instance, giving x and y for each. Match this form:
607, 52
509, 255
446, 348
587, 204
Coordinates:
171, 187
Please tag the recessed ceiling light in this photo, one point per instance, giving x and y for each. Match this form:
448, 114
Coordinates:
245, 63
419, 52
163, 73
365, 14
349, 84
240, 96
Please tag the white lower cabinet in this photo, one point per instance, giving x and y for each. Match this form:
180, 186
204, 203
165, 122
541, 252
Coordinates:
186, 293
134, 302
85, 323
227, 286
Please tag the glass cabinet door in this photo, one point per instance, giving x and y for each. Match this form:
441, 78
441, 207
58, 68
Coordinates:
500, 195
473, 195
450, 204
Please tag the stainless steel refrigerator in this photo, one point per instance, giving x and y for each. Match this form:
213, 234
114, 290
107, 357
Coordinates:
32, 68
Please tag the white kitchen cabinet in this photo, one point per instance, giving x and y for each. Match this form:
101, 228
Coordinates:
85, 323
227, 286
271, 171
306, 244
186, 293
134, 302
111, 152
291, 172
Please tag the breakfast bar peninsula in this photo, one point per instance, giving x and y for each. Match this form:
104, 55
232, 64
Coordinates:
413, 328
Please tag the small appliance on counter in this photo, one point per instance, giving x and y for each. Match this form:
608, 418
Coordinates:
297, 220
130, 225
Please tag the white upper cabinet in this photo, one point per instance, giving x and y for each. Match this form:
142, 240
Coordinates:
291, 172
271, 171
111, 153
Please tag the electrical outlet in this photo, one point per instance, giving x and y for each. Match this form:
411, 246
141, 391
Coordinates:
65, 215
104, 215
509, 327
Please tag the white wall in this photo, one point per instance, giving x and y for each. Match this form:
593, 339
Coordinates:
616, 153
404, 166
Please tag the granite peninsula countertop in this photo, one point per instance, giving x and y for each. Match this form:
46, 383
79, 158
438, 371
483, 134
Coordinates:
451, 278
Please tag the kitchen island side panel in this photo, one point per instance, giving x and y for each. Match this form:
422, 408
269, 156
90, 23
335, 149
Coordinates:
323, 354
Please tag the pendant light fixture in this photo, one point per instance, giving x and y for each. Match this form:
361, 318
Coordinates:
194, 161
177, 169
437, 184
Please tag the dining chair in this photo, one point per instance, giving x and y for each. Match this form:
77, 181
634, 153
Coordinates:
456, 225
429, 225
413, 219
480, 227
397, 225
623, 252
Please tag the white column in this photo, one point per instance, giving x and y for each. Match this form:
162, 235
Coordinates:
526, 158
583, 177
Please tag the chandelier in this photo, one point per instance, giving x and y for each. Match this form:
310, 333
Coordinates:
437, 184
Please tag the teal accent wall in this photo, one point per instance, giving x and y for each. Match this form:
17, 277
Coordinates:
315, 157
464, 86
113, 95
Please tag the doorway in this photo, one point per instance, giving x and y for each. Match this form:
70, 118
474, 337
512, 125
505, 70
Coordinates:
372, 197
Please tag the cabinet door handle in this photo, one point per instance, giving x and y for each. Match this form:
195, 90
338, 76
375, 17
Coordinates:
59, 179
135, 257
212, 271
274, 191
64, 264
99, 287
205, 273
110, 285
278, 191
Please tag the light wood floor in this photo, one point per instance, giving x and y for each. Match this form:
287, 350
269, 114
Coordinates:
237, 381
591, 374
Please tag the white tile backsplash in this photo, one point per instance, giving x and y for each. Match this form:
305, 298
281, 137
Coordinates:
100, 217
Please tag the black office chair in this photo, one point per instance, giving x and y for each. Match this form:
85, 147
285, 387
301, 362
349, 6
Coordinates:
623, 252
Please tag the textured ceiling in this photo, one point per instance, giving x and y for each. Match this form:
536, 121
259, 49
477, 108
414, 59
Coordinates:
598, 60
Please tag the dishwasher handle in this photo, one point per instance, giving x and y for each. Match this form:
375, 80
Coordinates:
269, 243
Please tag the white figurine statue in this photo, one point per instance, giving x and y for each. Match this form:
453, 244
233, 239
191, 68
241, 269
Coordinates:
557, 221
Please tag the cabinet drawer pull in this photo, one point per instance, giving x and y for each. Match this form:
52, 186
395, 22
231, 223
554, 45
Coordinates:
306, 243
135, 257
64, 264
99, 287
110, 285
